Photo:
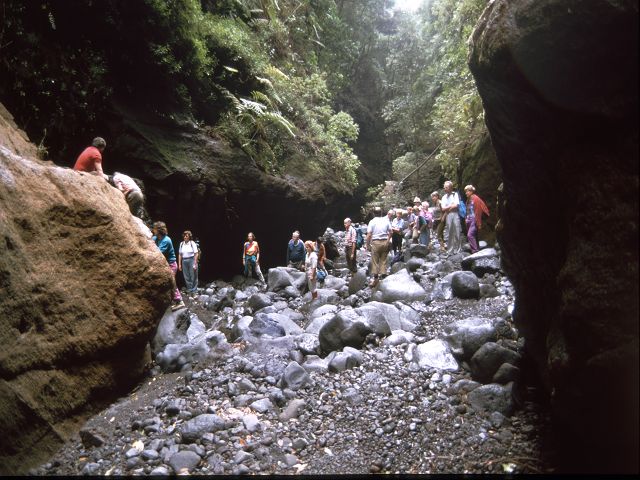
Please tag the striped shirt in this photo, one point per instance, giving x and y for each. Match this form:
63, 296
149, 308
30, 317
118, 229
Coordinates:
350, 237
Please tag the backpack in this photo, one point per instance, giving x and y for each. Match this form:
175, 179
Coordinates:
462, 208
359, 238
197, 242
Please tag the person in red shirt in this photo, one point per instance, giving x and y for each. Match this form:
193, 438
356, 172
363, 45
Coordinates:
90, 160
475, 208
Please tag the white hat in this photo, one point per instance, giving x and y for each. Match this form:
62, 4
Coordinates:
416, 200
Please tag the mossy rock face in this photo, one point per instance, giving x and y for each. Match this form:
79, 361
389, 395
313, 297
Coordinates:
561, 104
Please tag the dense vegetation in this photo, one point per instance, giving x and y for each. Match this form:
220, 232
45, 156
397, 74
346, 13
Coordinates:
281, 79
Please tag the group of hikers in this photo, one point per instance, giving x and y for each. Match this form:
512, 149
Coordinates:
90, 161
397, 229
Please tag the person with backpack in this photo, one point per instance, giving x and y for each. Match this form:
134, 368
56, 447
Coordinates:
322, 254
350, 244
450, 205
311, 266
475, 208
251, 257
378, 240
188, 257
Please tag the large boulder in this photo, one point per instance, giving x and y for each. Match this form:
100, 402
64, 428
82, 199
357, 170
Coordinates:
482, 262
466, 336
465, 285
82, 288
399, 286
347, 328
558, 81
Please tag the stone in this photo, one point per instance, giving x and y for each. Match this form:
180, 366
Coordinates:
577, 310
435, 354
314, 363
193, 429
374, 319
211, 344
295, 377
465, 285
418, 250
258, 301
442, 289
341, 361
358, 281
488, 291
90, 439
398, 337
466, 336
251, 422
308, 343
347, 328
482, 262
414, 264
184, 461
506, 373
262, 406
293, 409
399, 286
60, 223
263, 324
488, 358
493, 398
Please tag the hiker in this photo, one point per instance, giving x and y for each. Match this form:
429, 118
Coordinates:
311, 264
391, 214
251, 257
450, 203
378, 239
438, 224
417, 206
397, 227
132, 193
475, 208
295, 251
350, 245
90, 160
425, 230
164, 243
322, 254
188, 256
410, 220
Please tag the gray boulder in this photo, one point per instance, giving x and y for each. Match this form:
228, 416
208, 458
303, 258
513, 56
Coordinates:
399, 286
347, 359
375, 319
207, 345
489, 357
435, 354
418, 250
397, 315
295, 377
506, 373
184, 461
258, 301
308, 343
442, 289
193, 429
347, 328
314, 363
465, 285
358, 281
414, 263
466, 336
398, 337
484, 261
263, 324
493, 398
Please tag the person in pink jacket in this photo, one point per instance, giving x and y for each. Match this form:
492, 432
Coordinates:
475, 208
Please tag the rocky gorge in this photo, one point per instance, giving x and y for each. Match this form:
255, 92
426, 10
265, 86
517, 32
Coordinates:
255, 378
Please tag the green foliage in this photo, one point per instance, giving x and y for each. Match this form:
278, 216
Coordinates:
435, 100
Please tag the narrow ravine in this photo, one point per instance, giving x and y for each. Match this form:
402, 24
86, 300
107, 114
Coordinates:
433, 387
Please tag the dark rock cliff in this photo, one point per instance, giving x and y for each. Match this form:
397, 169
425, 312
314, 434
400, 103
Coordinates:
82, 288
558, 81
195, 181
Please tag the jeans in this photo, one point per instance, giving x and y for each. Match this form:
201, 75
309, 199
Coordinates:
424, 236
190, 274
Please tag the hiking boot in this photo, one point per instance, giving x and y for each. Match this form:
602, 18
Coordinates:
177, 305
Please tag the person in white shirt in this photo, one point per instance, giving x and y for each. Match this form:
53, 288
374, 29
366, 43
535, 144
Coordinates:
311, 268
132, 193
378, 239
449, 205
188, 262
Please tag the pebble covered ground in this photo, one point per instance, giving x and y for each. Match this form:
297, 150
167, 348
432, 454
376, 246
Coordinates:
387, 415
